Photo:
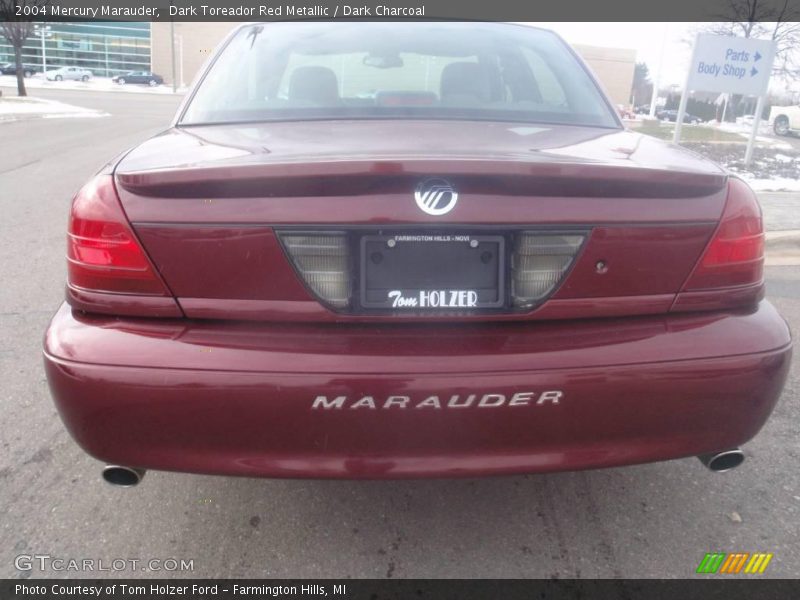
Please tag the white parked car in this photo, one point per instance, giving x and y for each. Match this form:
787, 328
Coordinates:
73, 73
785, 119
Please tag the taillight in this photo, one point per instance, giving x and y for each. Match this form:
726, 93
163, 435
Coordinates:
102, 252
735, 255
323, 261
538, 263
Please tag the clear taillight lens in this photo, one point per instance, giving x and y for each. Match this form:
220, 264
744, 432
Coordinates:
323, 261
538, 263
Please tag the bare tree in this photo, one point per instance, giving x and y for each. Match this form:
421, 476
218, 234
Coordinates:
16, 30
642, 86
777, 20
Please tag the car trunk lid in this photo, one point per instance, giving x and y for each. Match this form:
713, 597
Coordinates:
210, 204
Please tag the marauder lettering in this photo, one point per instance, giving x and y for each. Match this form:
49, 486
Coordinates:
438, 401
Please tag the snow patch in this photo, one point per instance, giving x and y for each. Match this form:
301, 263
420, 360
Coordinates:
13, 108
97, 84
777, 184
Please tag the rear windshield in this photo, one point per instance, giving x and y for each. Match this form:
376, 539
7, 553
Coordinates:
477, 71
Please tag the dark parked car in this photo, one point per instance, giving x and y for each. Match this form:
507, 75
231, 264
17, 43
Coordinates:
11, 69
145, 77
453, 262
672, 116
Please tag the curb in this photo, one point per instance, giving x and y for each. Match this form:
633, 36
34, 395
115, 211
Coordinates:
119, 89
16, 117
782, 248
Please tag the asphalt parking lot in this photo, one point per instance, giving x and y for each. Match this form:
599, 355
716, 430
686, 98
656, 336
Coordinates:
645, 521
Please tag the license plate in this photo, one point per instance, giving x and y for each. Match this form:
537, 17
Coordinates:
412, 272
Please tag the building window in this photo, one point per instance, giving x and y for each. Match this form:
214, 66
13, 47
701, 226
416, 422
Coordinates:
106, 49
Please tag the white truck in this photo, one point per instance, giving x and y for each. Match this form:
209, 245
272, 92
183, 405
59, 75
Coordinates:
785, 119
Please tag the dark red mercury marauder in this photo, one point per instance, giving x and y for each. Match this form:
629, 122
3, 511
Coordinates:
369, 250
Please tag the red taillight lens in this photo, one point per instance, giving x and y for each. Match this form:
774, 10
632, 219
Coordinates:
735, 255
102, 252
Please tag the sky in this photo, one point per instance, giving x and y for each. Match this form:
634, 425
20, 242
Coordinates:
647, 39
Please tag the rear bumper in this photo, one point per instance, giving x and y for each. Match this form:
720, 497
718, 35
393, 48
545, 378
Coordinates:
237, 398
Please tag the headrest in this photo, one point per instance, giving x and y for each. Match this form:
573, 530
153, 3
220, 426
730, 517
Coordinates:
317, 85
466, 81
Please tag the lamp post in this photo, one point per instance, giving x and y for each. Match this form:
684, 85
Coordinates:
43, 31
172, 53
180, 60
658, 77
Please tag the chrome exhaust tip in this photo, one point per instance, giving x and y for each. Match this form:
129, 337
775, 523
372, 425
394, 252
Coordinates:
719, 462
122, 476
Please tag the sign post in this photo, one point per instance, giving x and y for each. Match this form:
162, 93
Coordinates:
733, 65
748, 155
44, 33
676, 137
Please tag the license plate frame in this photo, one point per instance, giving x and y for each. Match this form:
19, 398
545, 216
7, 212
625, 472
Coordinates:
434, 272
